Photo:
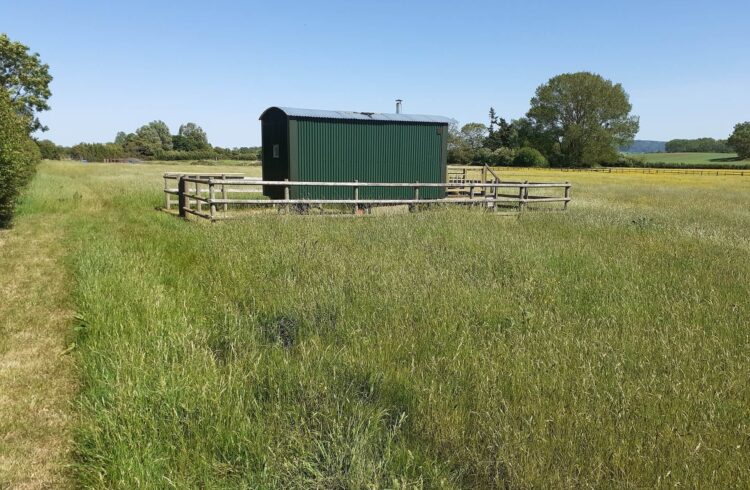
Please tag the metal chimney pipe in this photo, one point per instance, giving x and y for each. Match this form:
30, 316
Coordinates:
398, 106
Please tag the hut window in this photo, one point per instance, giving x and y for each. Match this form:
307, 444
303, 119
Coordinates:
276, 151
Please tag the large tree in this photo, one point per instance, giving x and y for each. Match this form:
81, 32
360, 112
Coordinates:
740, 140
26, 79
145, 142
473, 135
161, 129
587, 115
190, 137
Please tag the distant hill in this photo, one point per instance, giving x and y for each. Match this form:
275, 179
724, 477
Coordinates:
645, 146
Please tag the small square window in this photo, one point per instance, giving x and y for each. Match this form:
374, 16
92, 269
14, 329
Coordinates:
276, 151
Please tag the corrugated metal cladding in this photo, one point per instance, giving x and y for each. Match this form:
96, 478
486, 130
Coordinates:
326, 146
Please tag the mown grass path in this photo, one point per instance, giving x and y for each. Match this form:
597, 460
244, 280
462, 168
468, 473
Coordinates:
36, 377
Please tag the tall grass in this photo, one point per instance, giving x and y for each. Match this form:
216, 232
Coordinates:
607, 346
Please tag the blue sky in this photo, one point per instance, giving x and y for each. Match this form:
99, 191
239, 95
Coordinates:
117, 65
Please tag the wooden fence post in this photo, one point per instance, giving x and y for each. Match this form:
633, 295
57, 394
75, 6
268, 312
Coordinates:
521, 203
198, 202
286, 195
415, 206
567, 195
356, 198
224, 192
525, 194
167, 200
181, 201
211, 203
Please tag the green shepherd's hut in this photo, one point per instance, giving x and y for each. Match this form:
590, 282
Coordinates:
306, 145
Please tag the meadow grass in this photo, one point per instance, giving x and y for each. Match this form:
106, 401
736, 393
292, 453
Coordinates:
605, 346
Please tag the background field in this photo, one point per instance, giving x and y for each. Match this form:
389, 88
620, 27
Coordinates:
705, 159
605, 346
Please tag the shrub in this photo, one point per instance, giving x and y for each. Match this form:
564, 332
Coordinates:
97, 152
18, 158
249, 154
459, 156
483, 156
503, 156
628, 161
529, 157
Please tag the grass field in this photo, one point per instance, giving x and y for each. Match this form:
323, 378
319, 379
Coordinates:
602, 347
706, 159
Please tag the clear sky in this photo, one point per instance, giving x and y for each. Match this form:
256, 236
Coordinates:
117, 65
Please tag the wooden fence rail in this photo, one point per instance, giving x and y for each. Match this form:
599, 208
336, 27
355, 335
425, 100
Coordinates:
654, 170
195, 192
466, 172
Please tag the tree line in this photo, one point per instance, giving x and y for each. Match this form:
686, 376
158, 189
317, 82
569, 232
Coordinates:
738, 141
152, 141
699, 145
575, 119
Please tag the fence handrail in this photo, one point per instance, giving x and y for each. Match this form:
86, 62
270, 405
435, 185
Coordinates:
174, 175
292, 183
661, 170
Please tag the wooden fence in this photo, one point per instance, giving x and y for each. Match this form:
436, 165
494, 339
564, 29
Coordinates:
652, 170
171, 183
480, 173
207, 196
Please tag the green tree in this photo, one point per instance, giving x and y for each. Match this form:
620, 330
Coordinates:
587, 115
162, 130
18, 157
457, 153
500, 132
740, 139
26, 79
464, 144
148, 141
522, 133
493, 121
473, 135
145, 142
49, 150
190, 137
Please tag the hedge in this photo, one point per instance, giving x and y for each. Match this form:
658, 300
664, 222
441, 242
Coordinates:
18, 158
